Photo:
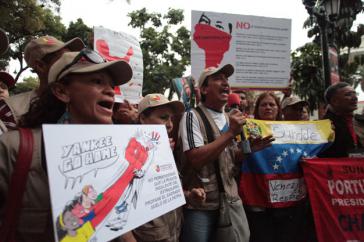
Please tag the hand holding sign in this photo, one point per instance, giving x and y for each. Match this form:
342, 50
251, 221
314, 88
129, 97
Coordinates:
259, 143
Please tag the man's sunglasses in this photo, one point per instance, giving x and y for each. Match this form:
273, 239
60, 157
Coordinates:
89, 55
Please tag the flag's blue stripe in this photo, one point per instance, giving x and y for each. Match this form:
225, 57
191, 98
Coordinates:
280, 158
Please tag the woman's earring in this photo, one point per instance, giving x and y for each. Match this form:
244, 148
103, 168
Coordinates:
65, 118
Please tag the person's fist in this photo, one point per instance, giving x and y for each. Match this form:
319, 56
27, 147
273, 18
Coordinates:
237, 120
136, 153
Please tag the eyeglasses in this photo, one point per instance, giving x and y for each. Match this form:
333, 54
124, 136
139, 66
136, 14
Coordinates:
89, 55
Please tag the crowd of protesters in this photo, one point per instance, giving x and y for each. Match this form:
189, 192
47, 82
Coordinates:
77, 87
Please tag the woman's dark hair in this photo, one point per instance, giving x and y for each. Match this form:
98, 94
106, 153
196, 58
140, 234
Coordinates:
147, 112
44, 109
260, 99
204, 84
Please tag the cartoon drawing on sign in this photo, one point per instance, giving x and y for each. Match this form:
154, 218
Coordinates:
84, 203
82, 216
212, 39
135, 153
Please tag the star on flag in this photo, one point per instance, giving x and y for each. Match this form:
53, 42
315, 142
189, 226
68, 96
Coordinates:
284, 156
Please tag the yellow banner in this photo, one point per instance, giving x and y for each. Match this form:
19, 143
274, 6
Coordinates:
291, 132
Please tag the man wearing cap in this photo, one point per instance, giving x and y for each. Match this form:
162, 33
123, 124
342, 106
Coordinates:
39, 54
201, 156
293, 108
342, 101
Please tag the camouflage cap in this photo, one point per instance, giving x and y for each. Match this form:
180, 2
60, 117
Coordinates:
119, 70
227, 69
36, 49
157, 99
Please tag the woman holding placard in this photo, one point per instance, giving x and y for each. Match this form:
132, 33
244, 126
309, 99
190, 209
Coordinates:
80, 91
157, 109
272, 224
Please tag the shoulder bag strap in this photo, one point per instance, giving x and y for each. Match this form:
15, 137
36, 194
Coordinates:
210, 138
17, 185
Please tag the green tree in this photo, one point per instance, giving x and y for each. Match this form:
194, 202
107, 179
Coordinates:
165, 45
28, 84
78, 29
25, 19
307, 75
306, 62
339, 32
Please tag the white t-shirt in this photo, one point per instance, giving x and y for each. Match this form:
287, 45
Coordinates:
190, 131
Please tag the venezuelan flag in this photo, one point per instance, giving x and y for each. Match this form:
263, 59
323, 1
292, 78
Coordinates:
273, 177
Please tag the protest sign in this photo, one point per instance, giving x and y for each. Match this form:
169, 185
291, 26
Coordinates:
336, 192
122, 46
108, 179
184, 88
257, 47
272, 177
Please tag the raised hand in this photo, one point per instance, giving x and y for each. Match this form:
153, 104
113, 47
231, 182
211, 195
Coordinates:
259, 143
237, 120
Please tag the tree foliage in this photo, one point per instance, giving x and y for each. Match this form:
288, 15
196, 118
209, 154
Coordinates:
339, 31
306, 62
78, 29
165, 45
307, 75
28, 84
339, 28
23, 20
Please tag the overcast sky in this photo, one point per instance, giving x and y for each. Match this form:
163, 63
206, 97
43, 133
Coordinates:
112, 14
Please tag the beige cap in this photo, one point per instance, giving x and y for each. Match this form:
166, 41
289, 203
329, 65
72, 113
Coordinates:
4, 42
36, 49
119, 70
157, 99
227, 69
289, 101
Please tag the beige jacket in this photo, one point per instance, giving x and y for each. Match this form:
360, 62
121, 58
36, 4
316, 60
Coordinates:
3, 128
35, 223
165, 228
191, 177
19, 104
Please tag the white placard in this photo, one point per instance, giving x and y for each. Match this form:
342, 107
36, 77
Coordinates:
108, 179
287, 190
257, 47
304, 133
119, 45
